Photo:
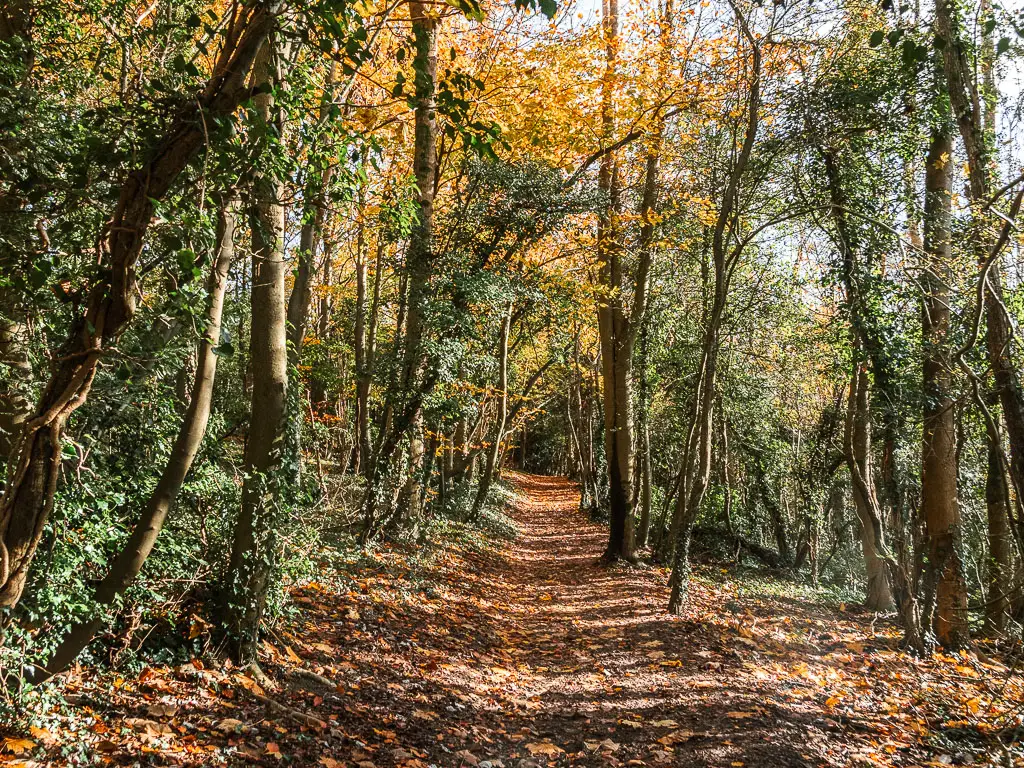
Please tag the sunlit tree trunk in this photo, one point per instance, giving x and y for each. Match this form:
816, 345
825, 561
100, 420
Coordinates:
254, 547
406, 419
939, 505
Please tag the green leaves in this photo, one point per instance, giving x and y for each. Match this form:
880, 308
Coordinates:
471, 8
913, 53
547, 7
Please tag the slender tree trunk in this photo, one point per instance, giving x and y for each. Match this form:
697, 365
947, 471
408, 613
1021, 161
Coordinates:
418, 266
364, 380
726, 478
33, 472
693, 487
939, 507
646, 497
771, 504
878, 596
616, 353
254, 547
1000, 544
499, 431
129, 561
359, 330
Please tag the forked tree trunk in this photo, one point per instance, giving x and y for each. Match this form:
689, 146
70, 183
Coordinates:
32, 474
254, 546
133, 555
695, 472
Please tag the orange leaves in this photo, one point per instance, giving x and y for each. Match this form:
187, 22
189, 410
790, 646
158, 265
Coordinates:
17, 746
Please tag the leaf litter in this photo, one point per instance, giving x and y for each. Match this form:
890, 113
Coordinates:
529, 653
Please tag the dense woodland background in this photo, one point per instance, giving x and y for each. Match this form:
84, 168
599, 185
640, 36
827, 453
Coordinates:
283, 279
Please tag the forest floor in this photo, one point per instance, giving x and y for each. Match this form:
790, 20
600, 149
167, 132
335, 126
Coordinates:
528, 653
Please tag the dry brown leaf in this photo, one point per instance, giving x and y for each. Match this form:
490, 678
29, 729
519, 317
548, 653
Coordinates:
544, 748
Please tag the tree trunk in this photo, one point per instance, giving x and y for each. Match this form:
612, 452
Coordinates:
15, 368
359, 346
1000, 545
726, 477
646, 498
616, 353
254, 547
695, 472
878, 596
418, 265
129, 561
33, 472
968, 108
499, 432
939, 507
314, 199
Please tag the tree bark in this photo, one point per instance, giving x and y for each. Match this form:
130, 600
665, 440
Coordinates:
254, 546
133, 555
314, 213
1000, 545
418, 265
499, 432
616, 355
15, 407
878, 596
968, 107
695, 473
939, 506
112, 301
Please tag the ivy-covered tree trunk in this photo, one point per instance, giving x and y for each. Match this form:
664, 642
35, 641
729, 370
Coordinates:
968, 100
15, 372
254, 545
34, 467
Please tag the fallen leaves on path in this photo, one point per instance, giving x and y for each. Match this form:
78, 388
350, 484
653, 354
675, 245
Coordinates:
531, 654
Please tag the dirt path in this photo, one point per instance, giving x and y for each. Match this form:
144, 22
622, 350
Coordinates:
539, 654
528, 653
